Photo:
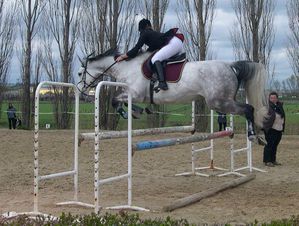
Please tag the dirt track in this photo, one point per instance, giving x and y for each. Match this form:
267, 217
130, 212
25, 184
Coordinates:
272, 195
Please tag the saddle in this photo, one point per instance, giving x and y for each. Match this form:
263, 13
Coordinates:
173, 68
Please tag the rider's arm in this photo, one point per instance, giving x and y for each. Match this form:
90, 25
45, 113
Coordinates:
141, 41
121, 57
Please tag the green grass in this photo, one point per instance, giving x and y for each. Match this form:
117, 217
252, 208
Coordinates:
176, 115
125, 219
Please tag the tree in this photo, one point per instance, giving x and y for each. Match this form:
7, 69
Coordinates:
155, 11
31, 11
293, 38
63, 24
196, 20
7, 40
253, 34
107, 24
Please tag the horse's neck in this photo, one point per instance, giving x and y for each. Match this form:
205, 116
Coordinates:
130, 71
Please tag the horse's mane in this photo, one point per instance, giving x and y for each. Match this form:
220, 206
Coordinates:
109, 52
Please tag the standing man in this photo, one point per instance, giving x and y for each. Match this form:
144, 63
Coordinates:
221, 120
273, 128
11, 115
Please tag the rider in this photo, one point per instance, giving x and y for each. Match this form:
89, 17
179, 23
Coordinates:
168, 44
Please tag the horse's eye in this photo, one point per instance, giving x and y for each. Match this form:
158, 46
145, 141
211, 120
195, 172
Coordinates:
80, 73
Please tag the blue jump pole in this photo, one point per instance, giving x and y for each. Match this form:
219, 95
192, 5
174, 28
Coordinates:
145, 145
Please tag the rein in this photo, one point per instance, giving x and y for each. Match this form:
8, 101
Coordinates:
94, 82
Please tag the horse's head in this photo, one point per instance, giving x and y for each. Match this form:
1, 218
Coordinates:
93, 68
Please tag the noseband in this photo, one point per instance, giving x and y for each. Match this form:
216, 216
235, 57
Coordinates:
95, 79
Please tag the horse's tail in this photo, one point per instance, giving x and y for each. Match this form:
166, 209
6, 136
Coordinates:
253, 77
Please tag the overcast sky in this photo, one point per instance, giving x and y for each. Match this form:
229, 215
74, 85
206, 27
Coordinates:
220, 38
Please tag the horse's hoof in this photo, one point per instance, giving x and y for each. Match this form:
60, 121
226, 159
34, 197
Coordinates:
148, 111
252, 138
261, 141
124, 114
135, 115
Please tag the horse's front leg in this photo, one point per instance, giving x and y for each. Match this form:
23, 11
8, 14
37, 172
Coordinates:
117, 104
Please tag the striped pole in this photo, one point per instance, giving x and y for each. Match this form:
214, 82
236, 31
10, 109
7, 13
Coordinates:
145, 145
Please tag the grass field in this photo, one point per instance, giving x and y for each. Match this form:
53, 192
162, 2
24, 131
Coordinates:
176, 115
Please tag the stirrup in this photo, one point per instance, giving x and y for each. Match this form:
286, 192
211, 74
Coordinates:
160, 86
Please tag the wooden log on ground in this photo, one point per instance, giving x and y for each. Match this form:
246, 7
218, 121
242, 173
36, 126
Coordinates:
208, 193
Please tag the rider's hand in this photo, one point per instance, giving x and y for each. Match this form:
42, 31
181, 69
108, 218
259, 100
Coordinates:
121, 58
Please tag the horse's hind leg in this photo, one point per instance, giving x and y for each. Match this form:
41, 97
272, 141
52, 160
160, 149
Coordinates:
233, 107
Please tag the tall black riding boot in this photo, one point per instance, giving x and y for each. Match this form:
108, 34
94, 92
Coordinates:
160, 73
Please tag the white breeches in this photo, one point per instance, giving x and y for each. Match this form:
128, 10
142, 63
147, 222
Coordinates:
175, 46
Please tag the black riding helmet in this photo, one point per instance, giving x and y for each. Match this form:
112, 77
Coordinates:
143, 24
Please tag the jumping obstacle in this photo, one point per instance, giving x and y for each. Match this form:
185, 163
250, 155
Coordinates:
194, 155
248, 150
98, 182
145, 145
103, 135
99, 135
205, 194
74, 171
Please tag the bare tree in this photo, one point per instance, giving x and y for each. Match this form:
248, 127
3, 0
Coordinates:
51, 65
155, 11
291, 85
196, 21
253, 34
107, 24
31, 11
7, 40
36, 75
293, 38
63, 24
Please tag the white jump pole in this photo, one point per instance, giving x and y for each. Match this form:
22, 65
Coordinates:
73, 172
141, 132
98, 182
194, 152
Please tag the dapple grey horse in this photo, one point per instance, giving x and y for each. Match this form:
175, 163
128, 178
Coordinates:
216, 81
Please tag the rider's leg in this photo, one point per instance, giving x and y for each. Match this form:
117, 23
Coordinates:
161, 77
174, 47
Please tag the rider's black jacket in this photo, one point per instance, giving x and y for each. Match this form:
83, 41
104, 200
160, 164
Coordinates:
153, 39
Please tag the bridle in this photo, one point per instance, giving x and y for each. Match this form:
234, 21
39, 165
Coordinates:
95, 78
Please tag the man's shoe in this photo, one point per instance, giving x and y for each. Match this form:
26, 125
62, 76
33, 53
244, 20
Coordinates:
269, 164
276, 163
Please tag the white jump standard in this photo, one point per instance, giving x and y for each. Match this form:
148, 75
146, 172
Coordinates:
74, 171
98, 182
248, 149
